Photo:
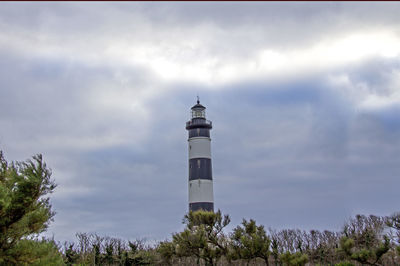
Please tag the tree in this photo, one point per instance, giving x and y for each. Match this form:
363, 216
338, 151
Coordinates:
71, 256
393, 222
364, 240
24, 208
139, 254
166, 250
250, 241
203, 236
275, 249
34, 252
294, 259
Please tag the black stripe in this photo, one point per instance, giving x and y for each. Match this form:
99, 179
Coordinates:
200, 168
198, 123
199, 132
205, 206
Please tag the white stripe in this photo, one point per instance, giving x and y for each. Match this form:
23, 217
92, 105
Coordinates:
201, 190
199, 147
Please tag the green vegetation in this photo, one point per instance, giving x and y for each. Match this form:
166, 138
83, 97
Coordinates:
25, 212
250, 241
364, 240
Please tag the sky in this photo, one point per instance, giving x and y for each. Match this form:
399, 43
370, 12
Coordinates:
304, 98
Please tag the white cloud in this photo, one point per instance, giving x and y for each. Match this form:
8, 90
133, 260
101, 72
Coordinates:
206, 52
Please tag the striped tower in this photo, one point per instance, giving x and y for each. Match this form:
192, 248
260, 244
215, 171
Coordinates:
200, 173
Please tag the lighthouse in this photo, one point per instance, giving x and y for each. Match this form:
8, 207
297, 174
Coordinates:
201, 196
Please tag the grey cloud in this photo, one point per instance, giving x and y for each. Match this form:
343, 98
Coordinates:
231, 31
51, 95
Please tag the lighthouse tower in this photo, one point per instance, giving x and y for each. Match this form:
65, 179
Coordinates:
201, 196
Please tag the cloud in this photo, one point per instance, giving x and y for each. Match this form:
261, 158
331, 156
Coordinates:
212, 44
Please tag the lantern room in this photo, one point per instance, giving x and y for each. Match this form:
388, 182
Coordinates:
198, 111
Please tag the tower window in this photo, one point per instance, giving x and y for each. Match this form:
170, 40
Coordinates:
198, 163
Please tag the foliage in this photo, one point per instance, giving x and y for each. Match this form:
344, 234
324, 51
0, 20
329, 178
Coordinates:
203, 236
344, 263
393, 223
364, 241
24, 209
71, 256
93, 249
294, 259
167, 251
34, 252
250, 241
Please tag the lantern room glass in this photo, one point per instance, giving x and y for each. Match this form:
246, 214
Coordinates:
198, 114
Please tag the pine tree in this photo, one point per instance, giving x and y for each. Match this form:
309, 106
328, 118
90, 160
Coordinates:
25, 211
250, 242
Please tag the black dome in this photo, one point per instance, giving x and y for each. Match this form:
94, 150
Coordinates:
198, 106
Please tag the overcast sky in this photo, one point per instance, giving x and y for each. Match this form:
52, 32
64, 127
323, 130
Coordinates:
304, 99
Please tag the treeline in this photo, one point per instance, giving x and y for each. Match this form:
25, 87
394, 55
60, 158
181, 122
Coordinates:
364, 240
25, 212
